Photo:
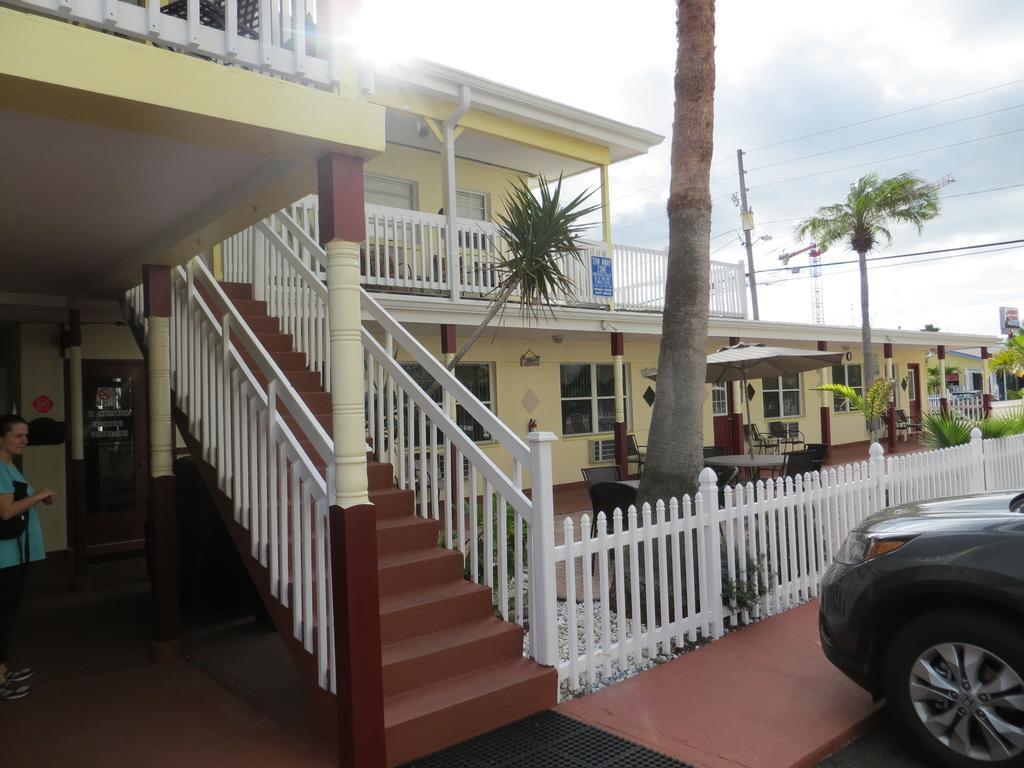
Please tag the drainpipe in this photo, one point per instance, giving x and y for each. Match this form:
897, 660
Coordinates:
448, 151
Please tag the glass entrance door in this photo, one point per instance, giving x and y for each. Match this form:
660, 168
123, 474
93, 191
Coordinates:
116, 452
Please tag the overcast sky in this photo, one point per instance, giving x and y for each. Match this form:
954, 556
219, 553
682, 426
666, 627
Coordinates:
788, 70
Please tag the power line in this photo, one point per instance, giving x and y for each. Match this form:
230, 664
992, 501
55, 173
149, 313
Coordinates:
887, 159
905, 255
880, 139
883, 117
941, 197
902, 264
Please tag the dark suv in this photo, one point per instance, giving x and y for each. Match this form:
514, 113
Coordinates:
925, 606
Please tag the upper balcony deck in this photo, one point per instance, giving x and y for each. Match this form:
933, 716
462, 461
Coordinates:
277, 37
407, 252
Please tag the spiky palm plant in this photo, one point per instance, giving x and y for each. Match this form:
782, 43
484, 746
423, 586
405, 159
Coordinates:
862, 222
873, 405
944, 430
541, 233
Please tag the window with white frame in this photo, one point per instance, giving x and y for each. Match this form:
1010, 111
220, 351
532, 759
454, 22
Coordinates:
588, 397
471, 205
852, 375
476, 377
719, 400
780, 396
389, 192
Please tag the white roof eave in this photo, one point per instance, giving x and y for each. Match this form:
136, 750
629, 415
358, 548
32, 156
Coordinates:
437, 80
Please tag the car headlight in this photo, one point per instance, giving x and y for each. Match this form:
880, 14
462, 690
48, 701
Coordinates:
860, 547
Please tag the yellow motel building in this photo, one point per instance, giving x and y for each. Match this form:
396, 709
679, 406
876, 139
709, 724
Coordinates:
150, 146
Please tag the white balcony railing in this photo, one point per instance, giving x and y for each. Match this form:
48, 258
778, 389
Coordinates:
407, 252
273, 36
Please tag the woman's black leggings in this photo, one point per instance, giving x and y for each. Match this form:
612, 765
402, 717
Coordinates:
12, 585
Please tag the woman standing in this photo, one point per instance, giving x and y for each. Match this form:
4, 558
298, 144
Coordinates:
21, 542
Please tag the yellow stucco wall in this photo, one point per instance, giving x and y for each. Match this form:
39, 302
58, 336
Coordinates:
427, 169
512, 383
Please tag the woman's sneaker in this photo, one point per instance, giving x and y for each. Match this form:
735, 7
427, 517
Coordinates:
13, 691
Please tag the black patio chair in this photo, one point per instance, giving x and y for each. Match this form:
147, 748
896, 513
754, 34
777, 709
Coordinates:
635, 452
820, 455
905, 425
607, 497
594, 475
798, 463
761, 442
725, 477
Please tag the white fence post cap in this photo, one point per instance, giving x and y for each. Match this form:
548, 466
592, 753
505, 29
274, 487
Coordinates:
708, 476
876, 451
975, 434
541, 437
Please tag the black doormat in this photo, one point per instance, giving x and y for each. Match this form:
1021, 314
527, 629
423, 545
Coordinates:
547, 740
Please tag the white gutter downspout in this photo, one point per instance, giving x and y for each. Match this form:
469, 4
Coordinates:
448, 151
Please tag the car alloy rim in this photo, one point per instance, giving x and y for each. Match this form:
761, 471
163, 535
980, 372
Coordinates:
970, 700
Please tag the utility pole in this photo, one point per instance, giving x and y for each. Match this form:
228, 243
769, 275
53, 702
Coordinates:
747, 220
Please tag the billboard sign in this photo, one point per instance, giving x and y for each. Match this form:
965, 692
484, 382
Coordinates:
1009, 319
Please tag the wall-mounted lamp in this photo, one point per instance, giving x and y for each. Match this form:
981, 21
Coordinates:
558, 339
528, 359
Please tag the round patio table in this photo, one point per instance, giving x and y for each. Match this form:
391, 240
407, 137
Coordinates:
751, 466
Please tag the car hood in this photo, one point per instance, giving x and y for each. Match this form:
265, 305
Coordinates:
963, 513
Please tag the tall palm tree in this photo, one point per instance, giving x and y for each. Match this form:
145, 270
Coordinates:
862, 222
674, 456
540, 234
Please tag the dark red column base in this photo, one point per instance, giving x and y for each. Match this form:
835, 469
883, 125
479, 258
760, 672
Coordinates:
163, 528
79, 581
944, 406
737, 433
826, 429
986, 404
359, 674
890, 420
621, 453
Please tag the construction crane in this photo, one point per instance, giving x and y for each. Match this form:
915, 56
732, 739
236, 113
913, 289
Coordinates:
817, 307
817, 304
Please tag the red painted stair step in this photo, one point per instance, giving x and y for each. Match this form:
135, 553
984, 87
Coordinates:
458, 650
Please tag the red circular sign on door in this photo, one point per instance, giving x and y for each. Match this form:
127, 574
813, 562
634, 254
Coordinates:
104, 394
43, 404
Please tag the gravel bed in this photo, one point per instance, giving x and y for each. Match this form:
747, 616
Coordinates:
618, 672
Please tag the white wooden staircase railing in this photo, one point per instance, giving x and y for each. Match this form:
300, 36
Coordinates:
485, 513
232, 393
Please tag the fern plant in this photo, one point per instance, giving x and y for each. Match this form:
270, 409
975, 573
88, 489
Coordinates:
873, 405
944, 430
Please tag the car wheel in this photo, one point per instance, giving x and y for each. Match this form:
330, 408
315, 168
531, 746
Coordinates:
955, 680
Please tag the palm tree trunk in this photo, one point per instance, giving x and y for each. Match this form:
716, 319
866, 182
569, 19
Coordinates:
868, 370
674, 456
496, 306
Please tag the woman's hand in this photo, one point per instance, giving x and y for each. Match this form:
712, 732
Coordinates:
46, 496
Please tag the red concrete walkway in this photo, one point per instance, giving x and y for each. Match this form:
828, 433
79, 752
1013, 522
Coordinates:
761, 697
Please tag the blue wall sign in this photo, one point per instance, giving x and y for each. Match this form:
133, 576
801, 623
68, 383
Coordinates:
601, 275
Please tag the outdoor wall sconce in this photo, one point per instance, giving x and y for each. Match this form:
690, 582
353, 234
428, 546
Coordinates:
750, 392
529, 359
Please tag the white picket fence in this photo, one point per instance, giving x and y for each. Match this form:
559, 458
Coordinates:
769, 543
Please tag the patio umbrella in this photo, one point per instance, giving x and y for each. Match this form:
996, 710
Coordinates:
756, 361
